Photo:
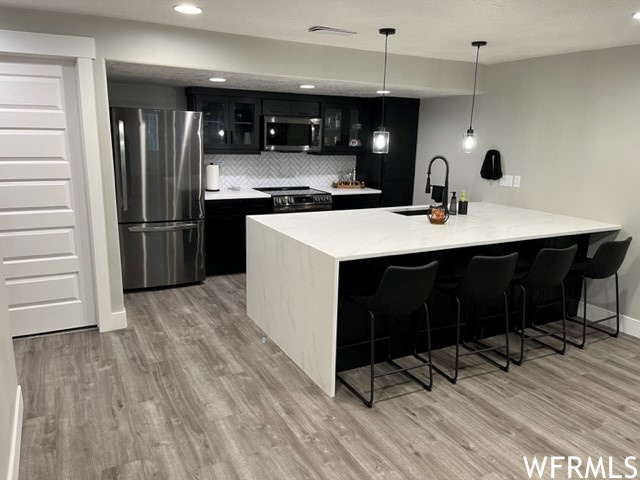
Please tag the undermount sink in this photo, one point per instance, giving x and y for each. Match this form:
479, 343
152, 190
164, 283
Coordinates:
408, 213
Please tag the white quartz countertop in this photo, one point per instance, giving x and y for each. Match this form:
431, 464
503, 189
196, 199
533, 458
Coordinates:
235, 194
227, 194
350, 191
377, 232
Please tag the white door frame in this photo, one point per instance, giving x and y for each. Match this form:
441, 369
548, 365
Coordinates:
82, 50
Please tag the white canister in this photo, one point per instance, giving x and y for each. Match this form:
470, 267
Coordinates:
213, 178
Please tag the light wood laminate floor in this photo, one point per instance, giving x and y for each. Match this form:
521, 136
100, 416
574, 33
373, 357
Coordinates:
190, 391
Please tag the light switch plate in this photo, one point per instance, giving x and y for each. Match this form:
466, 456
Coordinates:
506, 181
516, 181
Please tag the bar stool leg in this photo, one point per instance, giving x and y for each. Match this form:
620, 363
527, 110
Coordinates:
369, 402
427, 362
523, 292
373, 361
617, 309
594, 323
564, 321
426, 317
454, 378
584, 317
506, 331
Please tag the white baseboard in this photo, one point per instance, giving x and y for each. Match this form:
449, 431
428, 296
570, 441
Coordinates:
628, 325
116, 321
16, 438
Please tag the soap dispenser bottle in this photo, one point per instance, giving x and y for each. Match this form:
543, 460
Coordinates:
463, 205
453, 206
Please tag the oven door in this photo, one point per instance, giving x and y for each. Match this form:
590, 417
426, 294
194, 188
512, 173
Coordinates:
292, 134
301, 208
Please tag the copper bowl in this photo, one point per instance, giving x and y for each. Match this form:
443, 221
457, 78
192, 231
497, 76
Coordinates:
438, 215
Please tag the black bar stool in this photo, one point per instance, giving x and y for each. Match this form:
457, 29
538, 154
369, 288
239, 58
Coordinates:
605, 263
548, 270
486, 278
402, 291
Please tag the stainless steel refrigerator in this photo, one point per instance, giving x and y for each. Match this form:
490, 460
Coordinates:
160, 196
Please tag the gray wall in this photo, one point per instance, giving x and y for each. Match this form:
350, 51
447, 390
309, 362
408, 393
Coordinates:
8, 381
146, 96
568, 125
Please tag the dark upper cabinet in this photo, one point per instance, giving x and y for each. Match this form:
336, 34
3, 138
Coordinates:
305, 109
287, 107
393, 173
244, 127
276, 107
230, 124
345, 127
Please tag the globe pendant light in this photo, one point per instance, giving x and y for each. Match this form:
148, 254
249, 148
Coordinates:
381, 136
469, 139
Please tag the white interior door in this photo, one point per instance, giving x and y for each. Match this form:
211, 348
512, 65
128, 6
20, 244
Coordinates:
44, 229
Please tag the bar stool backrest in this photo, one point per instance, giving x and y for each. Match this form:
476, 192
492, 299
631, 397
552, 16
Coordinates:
607, 259
403, 290
549, 267
487, 277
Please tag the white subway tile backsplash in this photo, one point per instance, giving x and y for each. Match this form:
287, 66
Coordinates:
275, 169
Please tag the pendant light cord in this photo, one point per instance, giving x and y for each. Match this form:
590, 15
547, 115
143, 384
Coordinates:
475, 77
384, 76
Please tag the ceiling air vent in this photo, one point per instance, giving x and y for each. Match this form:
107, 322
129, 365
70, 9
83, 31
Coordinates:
330, 30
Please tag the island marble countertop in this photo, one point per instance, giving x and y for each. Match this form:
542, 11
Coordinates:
377, 232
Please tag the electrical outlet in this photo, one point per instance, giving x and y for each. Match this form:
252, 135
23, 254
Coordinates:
516, 181
506, 181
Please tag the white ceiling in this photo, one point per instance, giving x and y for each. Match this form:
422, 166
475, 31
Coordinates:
121, 72
515, 29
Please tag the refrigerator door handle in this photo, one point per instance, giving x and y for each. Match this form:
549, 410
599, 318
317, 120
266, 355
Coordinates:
162, 228
123, 167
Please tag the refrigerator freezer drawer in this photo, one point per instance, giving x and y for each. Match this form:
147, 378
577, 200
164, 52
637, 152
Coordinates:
161, 254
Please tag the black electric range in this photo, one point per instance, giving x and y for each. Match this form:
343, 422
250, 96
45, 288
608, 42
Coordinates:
297, 199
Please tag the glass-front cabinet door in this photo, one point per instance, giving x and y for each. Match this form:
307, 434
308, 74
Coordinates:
244, 123
332, 129
344, 128
229, 123
356, 131
214, 122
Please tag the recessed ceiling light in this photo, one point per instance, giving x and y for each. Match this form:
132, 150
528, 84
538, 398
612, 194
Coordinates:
217, 79
383, 92
188, 9
307, 86
636, 16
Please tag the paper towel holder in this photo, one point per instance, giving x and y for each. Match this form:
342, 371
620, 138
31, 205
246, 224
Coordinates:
213, 177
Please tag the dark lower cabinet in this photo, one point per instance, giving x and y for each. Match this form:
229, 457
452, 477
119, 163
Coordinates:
350, 202
225, 227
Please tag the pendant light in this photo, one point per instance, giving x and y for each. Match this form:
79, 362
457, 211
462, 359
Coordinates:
381, 136
469, 139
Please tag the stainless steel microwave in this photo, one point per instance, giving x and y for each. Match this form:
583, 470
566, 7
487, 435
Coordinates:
292, 134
